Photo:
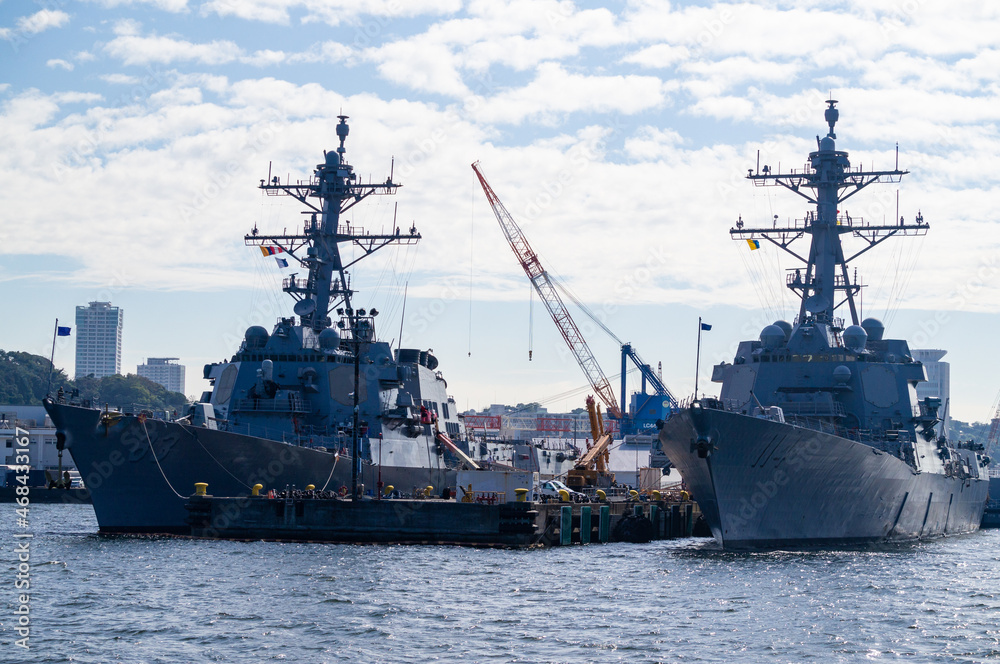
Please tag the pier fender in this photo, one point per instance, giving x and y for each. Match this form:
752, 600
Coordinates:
633, 528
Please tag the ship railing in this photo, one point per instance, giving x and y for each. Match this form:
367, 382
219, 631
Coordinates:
291, 404
331, 443
834, 409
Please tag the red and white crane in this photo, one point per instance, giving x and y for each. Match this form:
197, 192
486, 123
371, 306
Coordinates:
550, 297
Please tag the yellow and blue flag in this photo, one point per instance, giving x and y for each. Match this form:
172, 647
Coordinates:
754, 244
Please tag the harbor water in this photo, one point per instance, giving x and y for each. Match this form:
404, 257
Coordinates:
159, 599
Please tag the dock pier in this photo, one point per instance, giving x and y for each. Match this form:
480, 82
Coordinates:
300, 517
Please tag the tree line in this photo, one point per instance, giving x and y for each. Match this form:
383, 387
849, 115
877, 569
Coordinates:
24, 380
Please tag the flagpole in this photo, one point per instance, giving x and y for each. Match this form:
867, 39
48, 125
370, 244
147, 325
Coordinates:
52, 357
697, 361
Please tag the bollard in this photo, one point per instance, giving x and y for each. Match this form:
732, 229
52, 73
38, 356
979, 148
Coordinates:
255, 491
654, 516
566, 525
310, 487
585, 524
522, 495
200, 488
602, 497
563, 496
388, 490
604, 527
655, 495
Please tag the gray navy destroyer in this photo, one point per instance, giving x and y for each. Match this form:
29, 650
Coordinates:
285, 410
818, 437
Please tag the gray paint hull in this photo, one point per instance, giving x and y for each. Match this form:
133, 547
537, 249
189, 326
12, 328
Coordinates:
767, 484
134, 480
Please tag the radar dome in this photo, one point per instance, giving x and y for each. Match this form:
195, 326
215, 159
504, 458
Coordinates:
855, 338
786, 327
255, 337
841, 375
874, 328
772, 337
329, 339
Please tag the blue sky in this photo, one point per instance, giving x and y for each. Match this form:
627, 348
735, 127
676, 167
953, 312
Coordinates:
134, 134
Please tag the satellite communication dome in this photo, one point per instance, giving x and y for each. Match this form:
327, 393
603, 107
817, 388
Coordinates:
329, 339
786, 326
841, 375
874, 328
855, 338
256, 337
772, 337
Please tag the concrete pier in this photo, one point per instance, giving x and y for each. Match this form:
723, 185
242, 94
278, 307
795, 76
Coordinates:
434, 521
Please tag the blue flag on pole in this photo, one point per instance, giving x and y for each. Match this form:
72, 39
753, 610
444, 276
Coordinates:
281, 262
706, 326
63, 331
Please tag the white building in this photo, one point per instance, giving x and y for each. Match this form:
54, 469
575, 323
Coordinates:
42, 452
938, 382
162, 370
98, 340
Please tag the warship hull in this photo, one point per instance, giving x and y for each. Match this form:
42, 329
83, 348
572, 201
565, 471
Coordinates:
140, 473
764, 484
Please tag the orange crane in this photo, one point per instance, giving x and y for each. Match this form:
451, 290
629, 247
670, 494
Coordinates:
592, 468
550, 297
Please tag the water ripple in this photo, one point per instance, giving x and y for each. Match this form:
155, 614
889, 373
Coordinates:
158, 599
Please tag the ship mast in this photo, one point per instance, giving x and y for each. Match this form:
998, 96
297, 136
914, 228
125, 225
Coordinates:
328, 194
826, 181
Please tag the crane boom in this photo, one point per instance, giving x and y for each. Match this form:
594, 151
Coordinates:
550, 297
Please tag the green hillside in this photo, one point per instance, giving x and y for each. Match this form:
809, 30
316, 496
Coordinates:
23, 379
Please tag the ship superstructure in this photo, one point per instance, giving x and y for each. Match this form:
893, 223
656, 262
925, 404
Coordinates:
818, 436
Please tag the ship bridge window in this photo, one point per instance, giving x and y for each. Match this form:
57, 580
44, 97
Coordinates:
444, 410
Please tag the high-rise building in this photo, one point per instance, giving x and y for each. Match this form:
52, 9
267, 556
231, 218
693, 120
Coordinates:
98, 340
162, 370
938, 382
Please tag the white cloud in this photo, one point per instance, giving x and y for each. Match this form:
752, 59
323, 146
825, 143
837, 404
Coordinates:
556, 91
175, 6
42, 20
652, 143
126, 27
659, 56
62, 64
134, 50
421, 65
120, 79
372, 14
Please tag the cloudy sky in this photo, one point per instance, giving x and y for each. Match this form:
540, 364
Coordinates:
134, 133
